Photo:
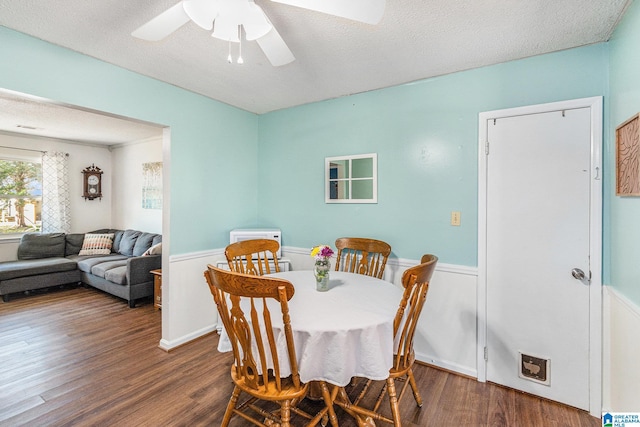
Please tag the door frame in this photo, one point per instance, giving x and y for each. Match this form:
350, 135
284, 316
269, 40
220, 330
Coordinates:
595, 236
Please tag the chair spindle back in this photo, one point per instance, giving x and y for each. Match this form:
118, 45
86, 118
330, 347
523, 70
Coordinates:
257, 257
242, 303
416, 284
362, 256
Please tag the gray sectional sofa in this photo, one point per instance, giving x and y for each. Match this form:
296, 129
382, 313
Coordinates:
52, 259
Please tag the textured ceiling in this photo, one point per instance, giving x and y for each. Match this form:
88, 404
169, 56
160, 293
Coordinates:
416, 39
28, 115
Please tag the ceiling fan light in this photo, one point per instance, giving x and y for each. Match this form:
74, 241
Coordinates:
255, 22
253, 32
202, 12
225, 29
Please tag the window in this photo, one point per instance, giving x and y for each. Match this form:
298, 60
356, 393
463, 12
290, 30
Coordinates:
20, 195
351, 179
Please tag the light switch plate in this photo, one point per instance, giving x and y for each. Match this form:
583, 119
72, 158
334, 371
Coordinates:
455, 218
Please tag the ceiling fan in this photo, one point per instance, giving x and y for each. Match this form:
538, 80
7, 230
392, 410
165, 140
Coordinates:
227, 18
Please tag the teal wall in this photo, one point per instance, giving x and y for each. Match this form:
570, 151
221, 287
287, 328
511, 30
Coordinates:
625, 103
212, 144
426, 137
425, 134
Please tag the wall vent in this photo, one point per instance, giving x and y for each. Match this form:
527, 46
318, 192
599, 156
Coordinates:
535, 368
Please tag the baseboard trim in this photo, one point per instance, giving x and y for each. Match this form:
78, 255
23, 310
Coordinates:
446, 365
167, 345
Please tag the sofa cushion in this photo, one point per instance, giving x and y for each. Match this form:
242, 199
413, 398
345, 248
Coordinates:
41, 245
117, 275
128, 242
73, 243
86, 264
143, 243
24, 268
96, 244
117, 238
157, 239
100, 269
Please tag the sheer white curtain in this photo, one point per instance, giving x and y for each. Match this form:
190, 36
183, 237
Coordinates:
55, 193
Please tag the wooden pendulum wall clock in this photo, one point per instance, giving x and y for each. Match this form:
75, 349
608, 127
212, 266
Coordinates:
92, 183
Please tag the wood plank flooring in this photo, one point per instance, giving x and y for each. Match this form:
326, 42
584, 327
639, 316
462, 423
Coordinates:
80, 357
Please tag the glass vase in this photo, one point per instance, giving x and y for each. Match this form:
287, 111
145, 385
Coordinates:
321, 271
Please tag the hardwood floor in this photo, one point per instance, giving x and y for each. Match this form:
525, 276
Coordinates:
79, 357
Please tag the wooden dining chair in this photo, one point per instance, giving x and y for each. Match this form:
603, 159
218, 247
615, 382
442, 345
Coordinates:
362, 256
416, 283
257, 256
256, 368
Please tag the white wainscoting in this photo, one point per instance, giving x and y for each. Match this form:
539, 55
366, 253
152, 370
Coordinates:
621, 348
188, 309
446, 336
447, 331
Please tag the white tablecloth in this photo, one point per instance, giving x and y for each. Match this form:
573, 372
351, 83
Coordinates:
342, 333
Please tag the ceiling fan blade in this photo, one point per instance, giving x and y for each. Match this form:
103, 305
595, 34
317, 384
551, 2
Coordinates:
275, 49
367, 11
162, 25
202, 12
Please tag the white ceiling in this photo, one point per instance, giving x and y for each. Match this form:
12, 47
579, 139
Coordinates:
416, 39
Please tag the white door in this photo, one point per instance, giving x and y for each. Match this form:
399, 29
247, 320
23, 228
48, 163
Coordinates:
539, 183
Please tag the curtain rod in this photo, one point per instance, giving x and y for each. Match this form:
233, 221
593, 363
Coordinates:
23, 149
28, 149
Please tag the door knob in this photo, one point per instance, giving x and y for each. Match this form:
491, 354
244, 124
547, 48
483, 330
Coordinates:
578, 274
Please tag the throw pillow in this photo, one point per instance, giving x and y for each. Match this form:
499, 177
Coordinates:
97, 244
154, 250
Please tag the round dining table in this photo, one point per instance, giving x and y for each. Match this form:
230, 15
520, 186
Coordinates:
341, 333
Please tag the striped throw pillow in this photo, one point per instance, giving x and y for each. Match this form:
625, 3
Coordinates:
97, 244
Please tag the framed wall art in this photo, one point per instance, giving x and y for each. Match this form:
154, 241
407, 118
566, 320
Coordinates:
152, 185
628, 157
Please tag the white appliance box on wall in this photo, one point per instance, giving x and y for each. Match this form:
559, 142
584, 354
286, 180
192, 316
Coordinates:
240, 234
